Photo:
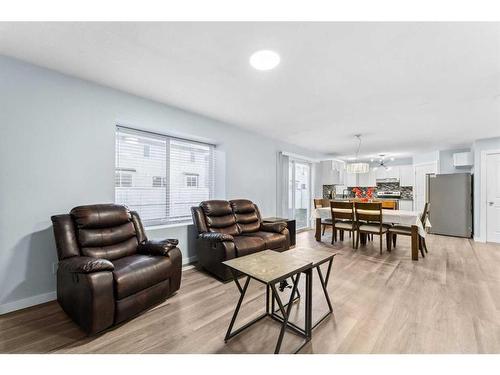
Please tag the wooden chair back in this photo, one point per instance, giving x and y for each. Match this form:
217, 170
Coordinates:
321, 202
425, 213
371, 212
342, 210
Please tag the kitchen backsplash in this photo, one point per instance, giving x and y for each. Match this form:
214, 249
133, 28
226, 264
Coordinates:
406, 191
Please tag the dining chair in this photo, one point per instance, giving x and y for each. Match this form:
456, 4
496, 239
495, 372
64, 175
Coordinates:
405, 230
320, 203
369, 221
343, 219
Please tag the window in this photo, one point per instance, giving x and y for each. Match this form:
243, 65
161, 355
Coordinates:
191, 180
159, 181
163, 183
123, 179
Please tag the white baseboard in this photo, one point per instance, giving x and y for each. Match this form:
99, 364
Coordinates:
27, 302
51, 296
189, 260
479, 239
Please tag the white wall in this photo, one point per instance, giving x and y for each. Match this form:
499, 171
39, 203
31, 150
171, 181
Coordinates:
427, 157
57, 145
446, 163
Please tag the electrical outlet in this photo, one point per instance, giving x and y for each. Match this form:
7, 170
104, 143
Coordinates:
54, 267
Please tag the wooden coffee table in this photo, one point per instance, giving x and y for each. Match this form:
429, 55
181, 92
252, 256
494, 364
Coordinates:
270, 268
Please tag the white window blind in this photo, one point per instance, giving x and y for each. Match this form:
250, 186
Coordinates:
162, 177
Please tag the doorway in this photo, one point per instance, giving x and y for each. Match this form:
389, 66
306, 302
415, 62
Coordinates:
299, 192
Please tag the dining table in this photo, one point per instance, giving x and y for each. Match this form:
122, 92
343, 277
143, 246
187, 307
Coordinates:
398, 217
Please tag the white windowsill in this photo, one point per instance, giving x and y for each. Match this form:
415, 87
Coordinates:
166, 226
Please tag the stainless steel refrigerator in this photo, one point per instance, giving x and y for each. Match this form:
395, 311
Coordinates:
450, 198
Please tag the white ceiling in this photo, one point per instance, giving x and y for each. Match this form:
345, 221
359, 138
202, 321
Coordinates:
407, 87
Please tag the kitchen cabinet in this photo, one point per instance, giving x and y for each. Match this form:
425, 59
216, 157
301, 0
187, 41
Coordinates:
383, 173
351, 179
367, 179
406, 205
407, 175
380, 173
393, 172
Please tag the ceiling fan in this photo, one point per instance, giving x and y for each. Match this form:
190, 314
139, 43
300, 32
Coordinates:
381, 162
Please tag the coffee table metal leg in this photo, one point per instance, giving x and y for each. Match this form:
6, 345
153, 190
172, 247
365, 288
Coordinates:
324, 283
308, 314
282, 309
238, 305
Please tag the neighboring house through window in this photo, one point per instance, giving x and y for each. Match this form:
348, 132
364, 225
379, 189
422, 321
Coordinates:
162, 177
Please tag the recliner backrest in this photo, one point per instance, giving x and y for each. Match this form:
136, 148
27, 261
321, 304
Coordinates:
247, 215
219, 217
105, 231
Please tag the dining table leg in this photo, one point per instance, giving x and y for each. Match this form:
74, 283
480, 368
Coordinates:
414, 242
318, 229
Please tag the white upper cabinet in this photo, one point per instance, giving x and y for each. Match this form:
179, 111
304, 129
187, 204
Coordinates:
351, 179
407, 175
393, 172
368, 179
380, 173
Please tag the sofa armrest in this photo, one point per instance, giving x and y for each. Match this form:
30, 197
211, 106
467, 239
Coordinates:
79, 264
276, 227
216, 237
152, 247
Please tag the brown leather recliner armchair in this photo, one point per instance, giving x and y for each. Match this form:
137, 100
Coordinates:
230, 229
108, 270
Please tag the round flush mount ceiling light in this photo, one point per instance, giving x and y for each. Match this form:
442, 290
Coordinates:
264, 60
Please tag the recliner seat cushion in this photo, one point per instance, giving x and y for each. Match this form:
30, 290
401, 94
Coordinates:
246, 214
271, 240
137, 272
246, 245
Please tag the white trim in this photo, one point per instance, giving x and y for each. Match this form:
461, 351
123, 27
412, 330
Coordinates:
27, 302
483, 196
478, 239
188, 261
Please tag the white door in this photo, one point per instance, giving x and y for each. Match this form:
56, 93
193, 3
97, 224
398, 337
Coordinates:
421, 171
493, 198
299, 193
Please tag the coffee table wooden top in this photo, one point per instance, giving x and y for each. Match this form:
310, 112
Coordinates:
314, 256
268, 266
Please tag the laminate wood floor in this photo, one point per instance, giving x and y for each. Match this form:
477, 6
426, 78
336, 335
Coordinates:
448, 302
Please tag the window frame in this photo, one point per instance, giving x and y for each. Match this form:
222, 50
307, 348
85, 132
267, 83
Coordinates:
168, 220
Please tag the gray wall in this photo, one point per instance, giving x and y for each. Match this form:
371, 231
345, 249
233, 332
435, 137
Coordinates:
57, 145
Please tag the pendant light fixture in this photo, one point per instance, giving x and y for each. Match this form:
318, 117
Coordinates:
358, 167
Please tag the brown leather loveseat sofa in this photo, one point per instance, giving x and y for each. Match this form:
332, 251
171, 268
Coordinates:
108, 270
230, 229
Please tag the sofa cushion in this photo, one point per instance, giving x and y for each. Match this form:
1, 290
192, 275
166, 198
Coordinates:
137, 272
246, 245
272, 240
219, 217
247, 215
